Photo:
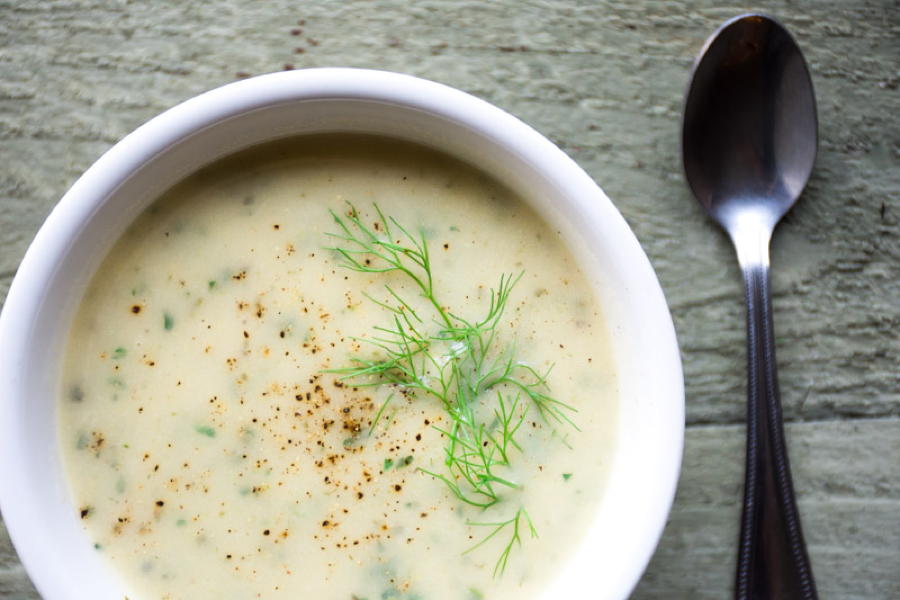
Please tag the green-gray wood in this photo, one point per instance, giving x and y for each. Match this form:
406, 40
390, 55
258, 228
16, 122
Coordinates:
604, 80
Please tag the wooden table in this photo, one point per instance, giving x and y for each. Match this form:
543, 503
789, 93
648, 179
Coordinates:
604, 80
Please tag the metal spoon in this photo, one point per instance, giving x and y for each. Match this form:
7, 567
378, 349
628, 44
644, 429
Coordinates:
749, 144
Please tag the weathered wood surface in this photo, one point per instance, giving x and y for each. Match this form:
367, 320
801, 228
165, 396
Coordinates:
604, 80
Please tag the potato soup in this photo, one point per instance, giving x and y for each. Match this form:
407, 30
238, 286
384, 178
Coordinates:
343, 368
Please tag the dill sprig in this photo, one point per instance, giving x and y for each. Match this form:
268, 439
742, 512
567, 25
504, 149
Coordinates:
515, 524
485, 391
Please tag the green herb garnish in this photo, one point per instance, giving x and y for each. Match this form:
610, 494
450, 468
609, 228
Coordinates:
516, 524
486, 392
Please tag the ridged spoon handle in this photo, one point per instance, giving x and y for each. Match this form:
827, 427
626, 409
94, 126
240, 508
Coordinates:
772, 559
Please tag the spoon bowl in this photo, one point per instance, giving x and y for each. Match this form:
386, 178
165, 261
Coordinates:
749, 134
749, 143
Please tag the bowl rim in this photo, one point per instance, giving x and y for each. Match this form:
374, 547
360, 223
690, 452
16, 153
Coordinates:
42, 259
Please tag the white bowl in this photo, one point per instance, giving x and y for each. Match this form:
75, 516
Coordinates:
90, 217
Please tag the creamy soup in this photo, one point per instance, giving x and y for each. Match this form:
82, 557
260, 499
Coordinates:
218, 443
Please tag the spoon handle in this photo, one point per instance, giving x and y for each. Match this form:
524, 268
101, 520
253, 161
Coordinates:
772, 558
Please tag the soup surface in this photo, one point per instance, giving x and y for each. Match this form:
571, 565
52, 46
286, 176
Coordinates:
213, 452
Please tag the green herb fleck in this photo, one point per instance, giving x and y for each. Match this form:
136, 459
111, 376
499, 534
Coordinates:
168, 321
180, 523
76, 394
211, 283
350, 442
454, 228
475, 594
97, 546
205, 430
119, 352
567, 476
398, 464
